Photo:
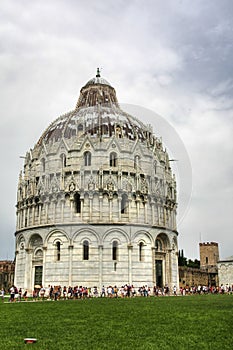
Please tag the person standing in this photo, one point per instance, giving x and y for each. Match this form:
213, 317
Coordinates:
2, 294
20, 294
103, 292
174, 291
12, 293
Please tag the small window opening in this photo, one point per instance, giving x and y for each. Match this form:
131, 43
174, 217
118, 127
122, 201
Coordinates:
85, 250
124, 204
87, 158
77, 201
113, 159
140, 251
114, 250
58, 246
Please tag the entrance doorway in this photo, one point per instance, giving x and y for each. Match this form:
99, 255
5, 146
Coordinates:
38, 275
159, 273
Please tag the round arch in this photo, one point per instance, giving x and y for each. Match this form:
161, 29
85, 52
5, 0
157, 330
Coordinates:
55, 231
83, 235
164, 239
143, 233
115, 231
35, 240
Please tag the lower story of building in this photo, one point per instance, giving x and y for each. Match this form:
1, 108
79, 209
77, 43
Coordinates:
74, 255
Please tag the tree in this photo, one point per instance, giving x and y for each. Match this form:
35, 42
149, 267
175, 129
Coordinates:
182, 261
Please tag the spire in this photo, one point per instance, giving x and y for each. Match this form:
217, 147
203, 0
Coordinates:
98, 73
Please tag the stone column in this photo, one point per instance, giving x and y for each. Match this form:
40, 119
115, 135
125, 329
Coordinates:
138, 207
46, 211
110, 209
145, 211
164, 216
119, 207
169, 268
70, 247
90, 206
153, 212
28, 270
33, 213
40, 207
153, 265
28, 216
100, 266
158, 213
62, 209
161, 214
101, 207
54, 209
71, 207
16, 268
24, 209
120, 179
18, 219
130, 247
175, 227
129, 208
44, 265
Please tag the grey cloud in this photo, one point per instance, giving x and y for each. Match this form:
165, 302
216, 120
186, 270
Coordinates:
168, 56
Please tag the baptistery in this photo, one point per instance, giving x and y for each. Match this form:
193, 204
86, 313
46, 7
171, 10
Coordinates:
96, 201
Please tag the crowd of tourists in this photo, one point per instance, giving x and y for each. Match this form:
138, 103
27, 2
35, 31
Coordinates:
223, 289
126, 291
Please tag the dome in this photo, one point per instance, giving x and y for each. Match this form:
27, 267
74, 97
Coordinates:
97, 114
97, 80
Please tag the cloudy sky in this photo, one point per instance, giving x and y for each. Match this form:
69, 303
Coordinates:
172, 57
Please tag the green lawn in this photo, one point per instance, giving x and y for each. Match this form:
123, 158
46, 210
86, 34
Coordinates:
191, 322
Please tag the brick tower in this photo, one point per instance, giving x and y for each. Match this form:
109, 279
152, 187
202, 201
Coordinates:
209, 255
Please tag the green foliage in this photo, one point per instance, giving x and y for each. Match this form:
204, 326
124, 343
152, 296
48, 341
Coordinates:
192, 322
195, 263
182, 261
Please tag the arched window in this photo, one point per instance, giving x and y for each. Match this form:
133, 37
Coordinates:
63, 160
77, 202
124, 204
80, 127
114, 250
158, 245
87, 158
113, 159
58, 251
104, 128
141, 255
85, 250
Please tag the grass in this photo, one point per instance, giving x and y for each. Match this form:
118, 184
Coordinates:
192, 322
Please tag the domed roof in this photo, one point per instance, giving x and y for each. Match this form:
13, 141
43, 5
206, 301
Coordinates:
97, 80
98, 114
